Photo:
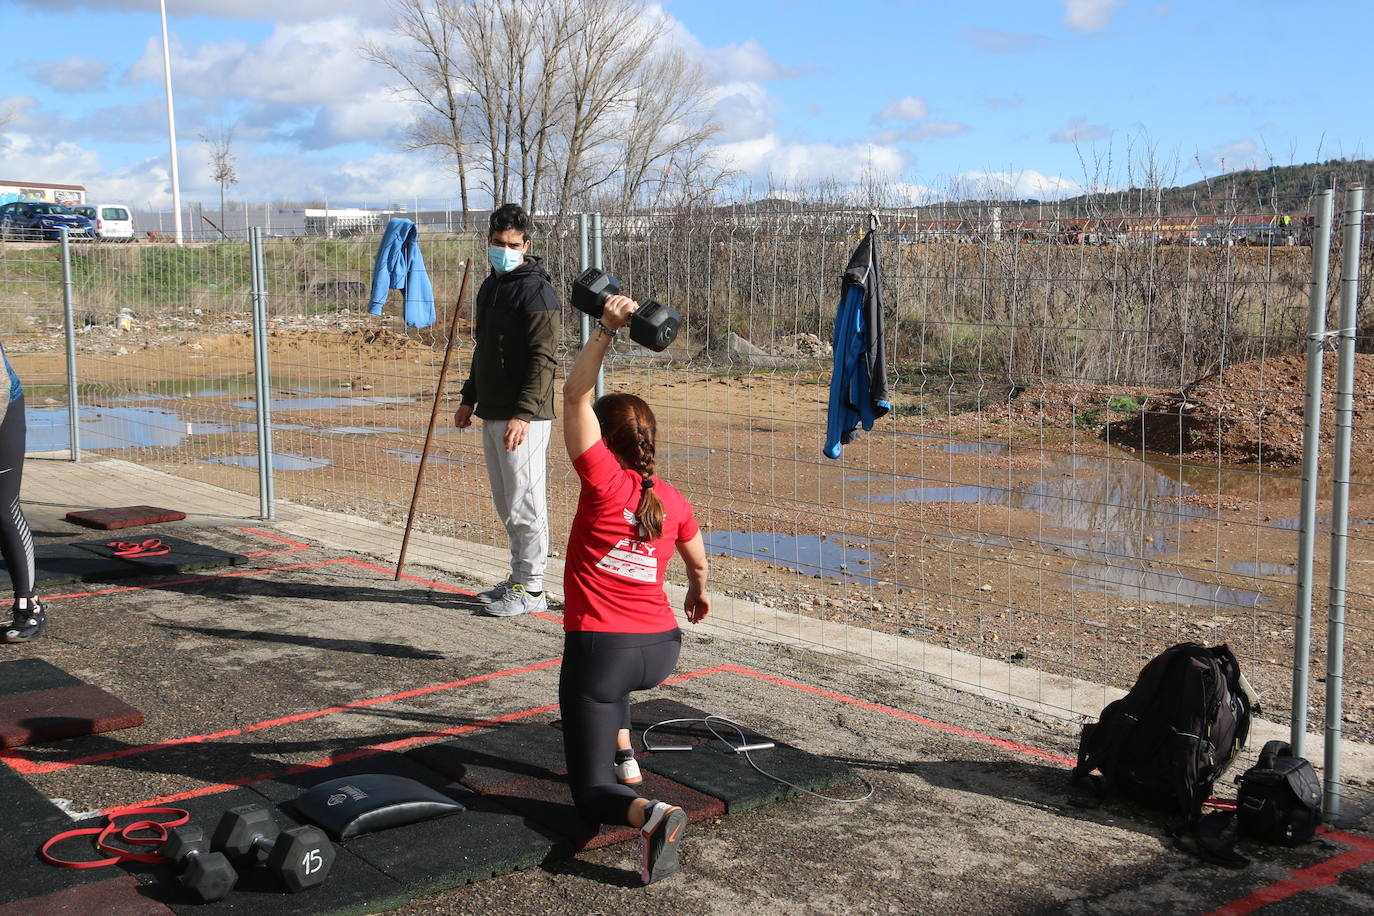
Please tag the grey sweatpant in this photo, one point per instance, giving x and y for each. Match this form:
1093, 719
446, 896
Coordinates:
517, 488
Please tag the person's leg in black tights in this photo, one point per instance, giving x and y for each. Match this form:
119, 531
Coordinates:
599, 671
16, 541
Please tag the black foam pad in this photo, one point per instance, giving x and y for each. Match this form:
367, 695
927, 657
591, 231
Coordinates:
151, 552
368, 802
715, 770
488, 759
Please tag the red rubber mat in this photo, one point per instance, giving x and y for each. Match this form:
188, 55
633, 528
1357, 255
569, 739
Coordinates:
549, 802
115, 897
124, 517
49, 715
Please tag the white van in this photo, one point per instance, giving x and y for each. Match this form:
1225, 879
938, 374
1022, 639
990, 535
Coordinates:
113, 222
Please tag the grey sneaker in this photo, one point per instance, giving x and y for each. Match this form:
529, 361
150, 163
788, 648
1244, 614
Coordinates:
658, 840
517, 601
496, 592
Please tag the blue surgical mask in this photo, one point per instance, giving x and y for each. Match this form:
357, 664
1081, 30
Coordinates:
504, 259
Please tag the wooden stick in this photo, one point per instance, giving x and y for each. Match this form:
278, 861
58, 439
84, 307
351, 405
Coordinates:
433, 417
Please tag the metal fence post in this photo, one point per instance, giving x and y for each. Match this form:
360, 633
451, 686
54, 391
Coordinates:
1340, 501
69, 317
596, 262
1307, 527
585, 322
262, 375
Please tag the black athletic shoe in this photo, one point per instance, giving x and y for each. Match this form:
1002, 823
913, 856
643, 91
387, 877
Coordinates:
658, 840
30, 620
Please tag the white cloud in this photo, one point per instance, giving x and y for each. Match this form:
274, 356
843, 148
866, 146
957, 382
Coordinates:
30, 159
1236, 155
1089, 15
907, 108
746, 110
298, 64
749, 61
1014, 186
1078, 130
73, 74
767, 158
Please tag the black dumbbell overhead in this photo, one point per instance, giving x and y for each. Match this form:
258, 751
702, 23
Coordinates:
653, 324
206, 874
300, 857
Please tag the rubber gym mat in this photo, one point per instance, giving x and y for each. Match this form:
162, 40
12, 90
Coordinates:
549, 801
651, 712
494, 757
715, 770
64, 712
29, 819
485, 841
352, 883
161, 553
58, 563
111, 897
124, 517
28, 675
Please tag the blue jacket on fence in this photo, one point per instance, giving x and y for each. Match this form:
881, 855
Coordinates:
858, 387
401, 266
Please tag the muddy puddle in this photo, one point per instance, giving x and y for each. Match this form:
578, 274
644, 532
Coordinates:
280, 462
810, 554
117, 427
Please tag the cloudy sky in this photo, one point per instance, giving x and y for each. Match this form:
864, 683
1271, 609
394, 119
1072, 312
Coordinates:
1029, 96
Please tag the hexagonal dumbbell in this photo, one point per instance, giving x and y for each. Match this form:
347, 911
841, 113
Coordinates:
206, 874
300, 857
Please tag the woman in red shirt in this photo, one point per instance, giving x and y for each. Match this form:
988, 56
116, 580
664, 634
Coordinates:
620, 632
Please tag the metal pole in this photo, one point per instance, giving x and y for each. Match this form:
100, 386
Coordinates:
1340, 501
1307, 514
261, 376
267, 381
73, 405
171, 124
586, 320
596, 262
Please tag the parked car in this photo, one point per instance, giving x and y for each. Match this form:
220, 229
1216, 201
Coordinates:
113, 222
38, 219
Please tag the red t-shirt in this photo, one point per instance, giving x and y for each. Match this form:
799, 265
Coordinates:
612, 579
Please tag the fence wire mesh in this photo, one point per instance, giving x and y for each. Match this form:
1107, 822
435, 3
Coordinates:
1093, 453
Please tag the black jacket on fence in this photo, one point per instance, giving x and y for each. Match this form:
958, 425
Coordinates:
517, 318
858, 384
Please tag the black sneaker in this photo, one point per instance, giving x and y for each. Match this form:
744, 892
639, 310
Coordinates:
658, 840
30, 620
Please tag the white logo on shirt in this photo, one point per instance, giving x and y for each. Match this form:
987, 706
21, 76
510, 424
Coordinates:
631, 518
631, 558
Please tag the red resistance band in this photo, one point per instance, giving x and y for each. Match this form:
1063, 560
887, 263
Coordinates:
124, 834
152, 547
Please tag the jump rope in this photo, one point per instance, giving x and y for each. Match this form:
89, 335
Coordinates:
744, 748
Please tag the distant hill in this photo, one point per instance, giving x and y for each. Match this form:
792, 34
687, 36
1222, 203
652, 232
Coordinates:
1279, 188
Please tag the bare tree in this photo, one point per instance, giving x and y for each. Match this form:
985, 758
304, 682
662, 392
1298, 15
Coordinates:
222, 169
566, 99
427, 63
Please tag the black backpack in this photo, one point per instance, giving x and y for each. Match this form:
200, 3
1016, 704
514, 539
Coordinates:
1280, 799
1173, 735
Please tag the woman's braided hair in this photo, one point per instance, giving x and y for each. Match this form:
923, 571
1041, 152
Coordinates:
629, 428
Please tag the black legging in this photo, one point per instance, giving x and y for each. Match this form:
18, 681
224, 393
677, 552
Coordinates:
16, 542
599, 671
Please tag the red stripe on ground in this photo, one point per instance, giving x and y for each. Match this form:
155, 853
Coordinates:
332, 759
1320, 875
392, 572
1003, 743
29, 767
295, 545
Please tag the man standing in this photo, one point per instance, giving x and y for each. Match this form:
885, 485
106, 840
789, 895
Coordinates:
510, 388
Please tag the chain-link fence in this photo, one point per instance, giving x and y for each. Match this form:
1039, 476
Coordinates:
1094, 450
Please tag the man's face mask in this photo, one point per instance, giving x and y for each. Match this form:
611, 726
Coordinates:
503, 259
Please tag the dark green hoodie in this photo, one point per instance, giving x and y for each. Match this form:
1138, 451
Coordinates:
517, 344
